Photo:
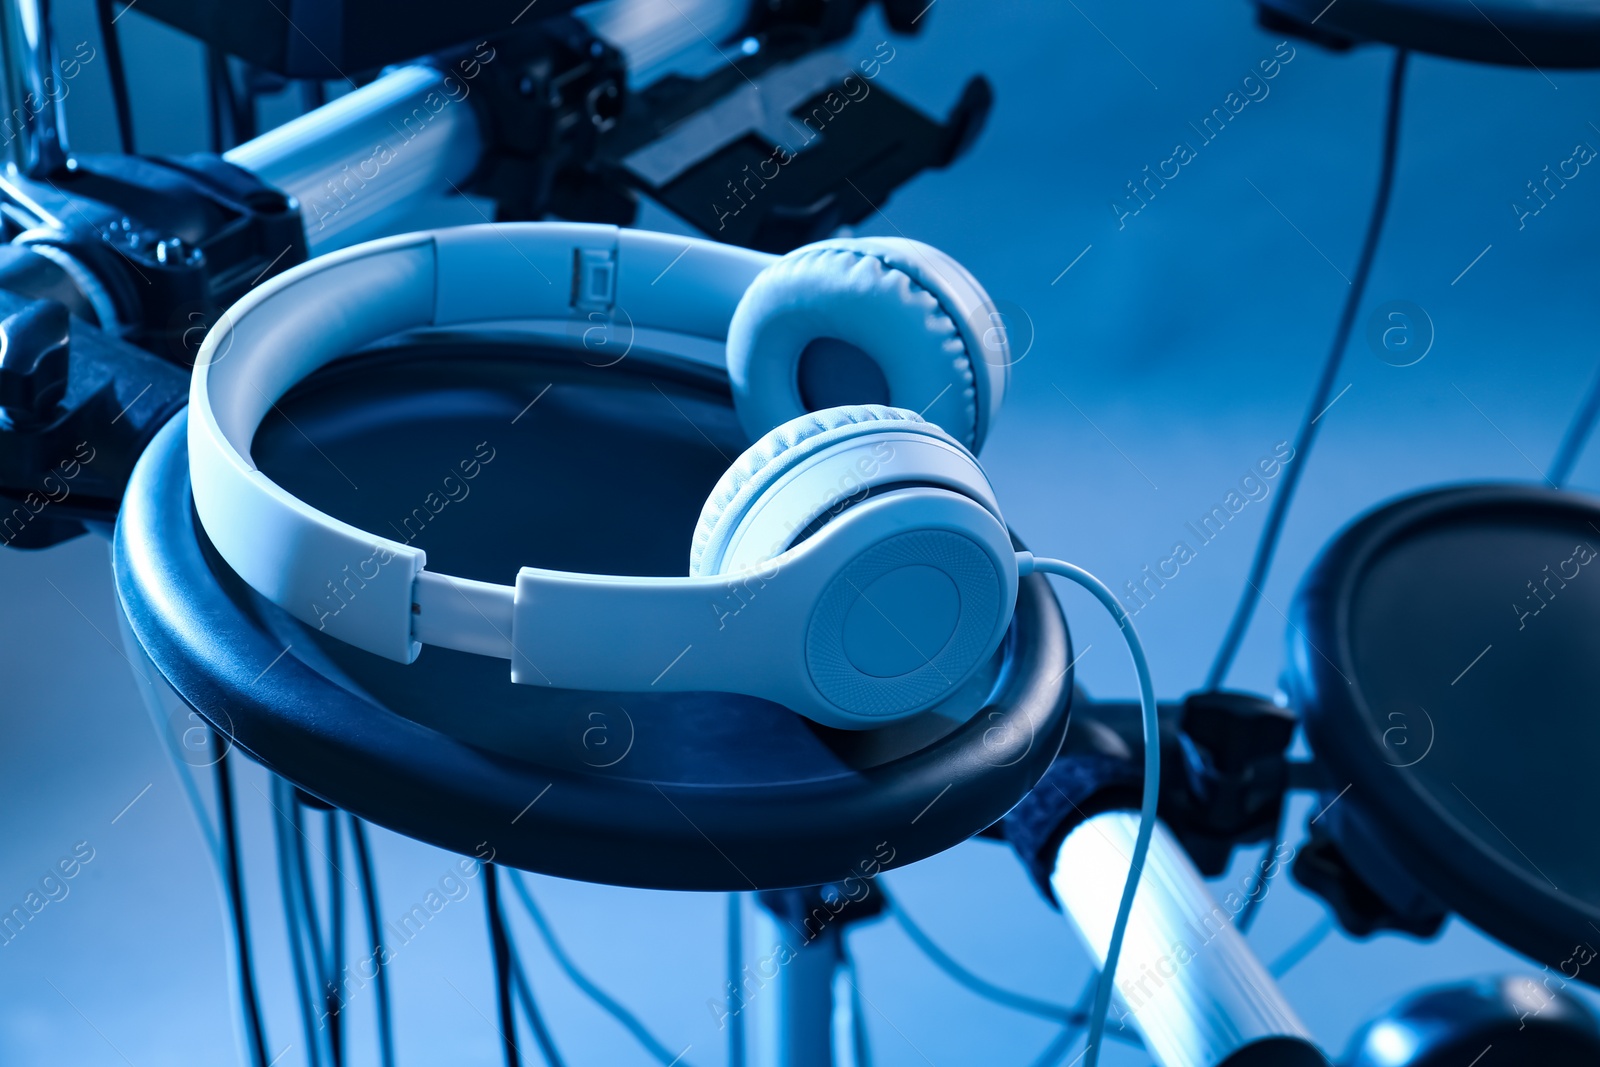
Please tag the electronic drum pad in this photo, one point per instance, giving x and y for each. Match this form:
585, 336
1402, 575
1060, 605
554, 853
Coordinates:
1532, 34
1445, 655
493, 451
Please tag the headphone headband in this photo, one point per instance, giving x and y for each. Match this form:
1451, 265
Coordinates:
932, 551
307, 317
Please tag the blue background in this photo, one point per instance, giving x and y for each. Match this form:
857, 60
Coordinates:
1172, 355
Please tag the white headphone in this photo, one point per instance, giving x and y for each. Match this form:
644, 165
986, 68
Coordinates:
886, 573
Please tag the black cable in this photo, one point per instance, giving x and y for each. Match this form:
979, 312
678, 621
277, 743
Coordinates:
1576, 437
1043, 1009
308, 906
530, 1008
254, 1032
1258, 877
1057, 1049
500, 944
1307, 432
216, 76
981, 986
117, 73
369, 897
335, 987
305, 982
1295, 953
607, 1003
243, 105
1253, 896
860, 1042
233, 111
308, 897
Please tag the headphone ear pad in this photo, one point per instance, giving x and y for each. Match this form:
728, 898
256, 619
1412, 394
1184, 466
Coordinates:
777, 453
885, 321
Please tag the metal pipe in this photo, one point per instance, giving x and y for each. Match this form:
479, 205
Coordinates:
734, 1020
792, 985
655, 38
34, 126
1186, 981
360, 165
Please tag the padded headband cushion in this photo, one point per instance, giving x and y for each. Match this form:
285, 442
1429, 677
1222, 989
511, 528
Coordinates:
915, 313
773, 456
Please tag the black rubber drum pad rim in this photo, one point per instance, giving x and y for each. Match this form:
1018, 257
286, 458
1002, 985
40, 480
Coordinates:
688, 791
1445, 653
1531, 34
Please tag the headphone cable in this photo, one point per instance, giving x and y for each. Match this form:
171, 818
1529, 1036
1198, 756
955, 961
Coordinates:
1306, 434
1027, 563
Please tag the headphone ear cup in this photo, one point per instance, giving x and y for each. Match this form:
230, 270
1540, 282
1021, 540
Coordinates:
919, 579
885, 321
